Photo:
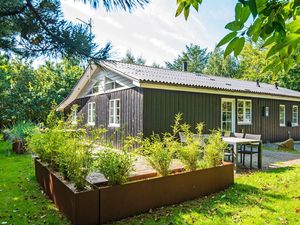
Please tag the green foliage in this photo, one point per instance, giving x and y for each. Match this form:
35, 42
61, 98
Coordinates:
191, 152
28, 94
20, 131
65, 150
159, 151
131, 59
214, 149
114, 165
220, 66
195, 56
22, 201
35, 28
184, 6
275, 23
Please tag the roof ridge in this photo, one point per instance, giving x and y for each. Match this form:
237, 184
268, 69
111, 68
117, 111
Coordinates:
186, 72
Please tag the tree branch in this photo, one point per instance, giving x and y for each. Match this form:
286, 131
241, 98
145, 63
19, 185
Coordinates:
13, 12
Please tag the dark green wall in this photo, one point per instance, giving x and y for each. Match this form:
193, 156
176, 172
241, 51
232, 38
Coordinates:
160, 107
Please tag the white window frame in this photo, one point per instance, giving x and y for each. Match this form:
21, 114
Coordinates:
282, 124
295, 124
244, 122
91, 113
113, 82
74, 117
113, 105
233, 114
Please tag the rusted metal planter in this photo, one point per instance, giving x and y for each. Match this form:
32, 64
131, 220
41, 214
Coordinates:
117, 202
82, 208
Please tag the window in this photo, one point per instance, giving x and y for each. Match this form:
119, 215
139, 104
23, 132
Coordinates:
91, 113
110, 84
244, 111
74, 117
227, 114
95, 89
114, 112
295, 116
282, 115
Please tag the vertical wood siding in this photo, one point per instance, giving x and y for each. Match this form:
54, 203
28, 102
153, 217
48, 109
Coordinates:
160, 107
131, 102
151, 110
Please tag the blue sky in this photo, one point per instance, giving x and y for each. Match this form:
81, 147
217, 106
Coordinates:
153, 32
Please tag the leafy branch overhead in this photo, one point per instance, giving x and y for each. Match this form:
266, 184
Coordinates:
32, 28
276, 23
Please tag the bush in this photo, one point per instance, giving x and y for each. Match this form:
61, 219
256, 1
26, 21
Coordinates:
114, 165
159, 152
191, 152
66, 151
214, 150
20, 131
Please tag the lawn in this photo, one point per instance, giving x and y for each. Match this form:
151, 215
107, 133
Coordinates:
270, 197
21, 201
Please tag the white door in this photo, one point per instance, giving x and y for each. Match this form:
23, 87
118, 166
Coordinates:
228, 114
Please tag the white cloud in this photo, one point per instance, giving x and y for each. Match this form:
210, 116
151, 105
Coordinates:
153, 32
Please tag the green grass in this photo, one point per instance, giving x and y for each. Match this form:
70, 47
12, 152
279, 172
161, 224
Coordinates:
269, 197
21, 200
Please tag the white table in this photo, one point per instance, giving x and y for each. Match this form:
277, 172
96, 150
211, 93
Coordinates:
234, 141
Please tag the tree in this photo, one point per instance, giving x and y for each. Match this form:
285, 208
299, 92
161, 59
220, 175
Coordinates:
131, 59
276, 23
156, 65
28, 94
36, 27
195, 56
220, 66
252, 63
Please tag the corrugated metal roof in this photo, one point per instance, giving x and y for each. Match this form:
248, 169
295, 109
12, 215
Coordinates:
152, 74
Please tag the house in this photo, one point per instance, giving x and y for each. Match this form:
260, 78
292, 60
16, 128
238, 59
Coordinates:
145, 99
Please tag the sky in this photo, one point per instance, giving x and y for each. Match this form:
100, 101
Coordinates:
153, 32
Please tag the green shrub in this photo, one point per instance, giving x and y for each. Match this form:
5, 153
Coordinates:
65, 150
214, 149
20, 131
191, 152
114, 165
159, 151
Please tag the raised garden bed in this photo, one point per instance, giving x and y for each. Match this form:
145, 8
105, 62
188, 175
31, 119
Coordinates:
121, 201
109, 203
82, 208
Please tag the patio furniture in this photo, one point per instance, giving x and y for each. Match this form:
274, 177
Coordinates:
240, 141
239, 135
240, 147
251, 148
229, 151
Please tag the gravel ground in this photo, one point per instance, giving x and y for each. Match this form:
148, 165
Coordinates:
276, 158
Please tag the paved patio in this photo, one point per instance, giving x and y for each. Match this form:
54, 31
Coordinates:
271, 159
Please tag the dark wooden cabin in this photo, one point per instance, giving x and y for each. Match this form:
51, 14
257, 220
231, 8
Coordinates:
145, 99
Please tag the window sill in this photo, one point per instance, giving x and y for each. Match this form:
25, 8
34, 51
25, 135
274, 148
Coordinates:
244, 124
295, 125
282, 125
113, 125
91, 124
